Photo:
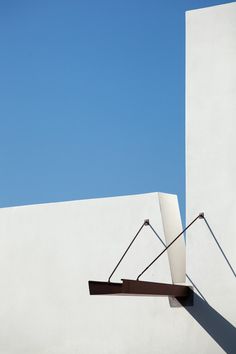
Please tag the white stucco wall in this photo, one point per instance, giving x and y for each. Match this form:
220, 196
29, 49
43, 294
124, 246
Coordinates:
210, 159
49, 252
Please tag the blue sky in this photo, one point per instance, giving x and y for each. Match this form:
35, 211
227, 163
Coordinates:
92, 98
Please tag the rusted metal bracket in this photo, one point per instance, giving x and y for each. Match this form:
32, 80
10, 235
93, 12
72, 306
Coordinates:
136, 287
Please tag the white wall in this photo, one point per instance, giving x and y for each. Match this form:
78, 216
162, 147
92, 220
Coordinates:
211, 161
47, 255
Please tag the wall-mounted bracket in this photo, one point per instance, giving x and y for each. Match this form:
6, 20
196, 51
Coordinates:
139, 288
145, 288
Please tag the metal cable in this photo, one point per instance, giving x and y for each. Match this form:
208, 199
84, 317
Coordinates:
200, 216
146, 222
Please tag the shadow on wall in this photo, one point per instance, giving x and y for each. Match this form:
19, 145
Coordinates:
222, 331
220, 248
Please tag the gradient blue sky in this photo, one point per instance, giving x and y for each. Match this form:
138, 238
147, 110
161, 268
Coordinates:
92, 98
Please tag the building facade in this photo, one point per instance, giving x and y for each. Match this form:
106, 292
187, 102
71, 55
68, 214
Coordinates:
49, 252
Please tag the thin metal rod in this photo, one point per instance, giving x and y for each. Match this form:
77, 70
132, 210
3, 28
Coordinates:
146, 222
159, 238
199, 216
221, 250
187, 276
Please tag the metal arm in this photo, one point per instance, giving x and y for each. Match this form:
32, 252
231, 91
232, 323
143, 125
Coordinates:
200, 216
145, 223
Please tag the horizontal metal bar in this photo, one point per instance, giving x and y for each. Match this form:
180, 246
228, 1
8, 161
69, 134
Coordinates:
141, 288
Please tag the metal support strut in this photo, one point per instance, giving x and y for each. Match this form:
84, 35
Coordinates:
145, 223
200, 216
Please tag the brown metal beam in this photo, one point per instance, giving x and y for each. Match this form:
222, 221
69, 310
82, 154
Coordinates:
134, 287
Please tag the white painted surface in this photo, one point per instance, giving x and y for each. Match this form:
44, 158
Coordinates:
210, 158
47, 255
172, 226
